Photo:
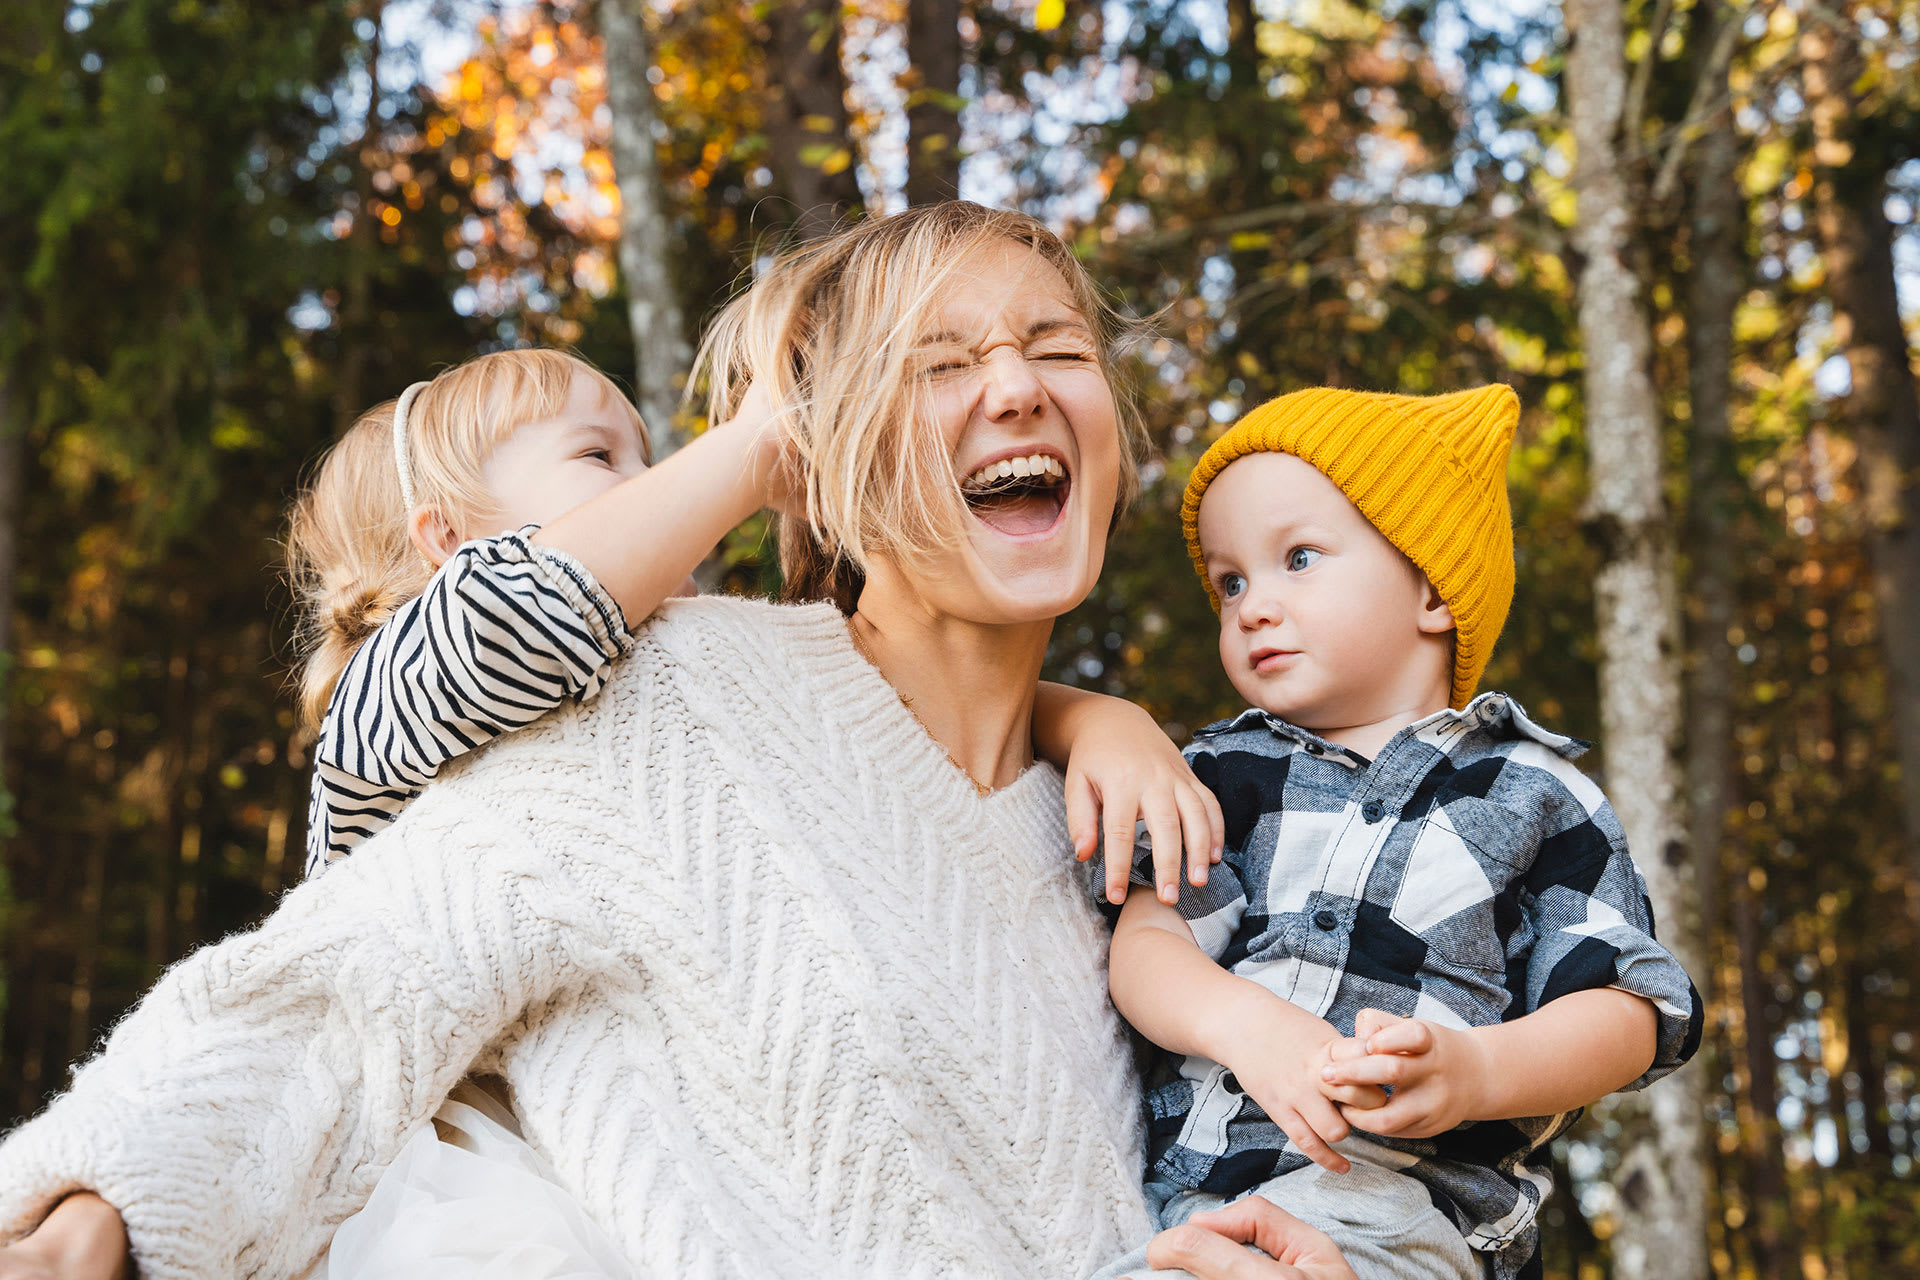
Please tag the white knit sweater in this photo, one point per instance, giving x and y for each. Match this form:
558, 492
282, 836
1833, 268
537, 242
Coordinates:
777, 993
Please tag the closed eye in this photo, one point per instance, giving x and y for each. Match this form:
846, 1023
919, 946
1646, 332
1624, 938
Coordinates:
600, 455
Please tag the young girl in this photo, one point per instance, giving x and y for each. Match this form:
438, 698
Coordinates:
425, 641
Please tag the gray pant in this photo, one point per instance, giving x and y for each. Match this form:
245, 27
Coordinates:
1381, 1219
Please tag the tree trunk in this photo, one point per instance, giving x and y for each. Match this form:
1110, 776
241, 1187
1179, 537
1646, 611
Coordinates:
662, 353
1716, 278
933, 100
1883, 408
356, 295
1661, 1231
810, 145
1774, 1241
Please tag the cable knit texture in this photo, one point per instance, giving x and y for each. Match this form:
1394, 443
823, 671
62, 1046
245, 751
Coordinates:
777, 993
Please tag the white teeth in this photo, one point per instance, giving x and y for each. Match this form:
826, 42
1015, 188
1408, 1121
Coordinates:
1035, 464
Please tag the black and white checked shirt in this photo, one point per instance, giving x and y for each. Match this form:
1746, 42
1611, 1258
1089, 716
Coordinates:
1468, 875
505, 632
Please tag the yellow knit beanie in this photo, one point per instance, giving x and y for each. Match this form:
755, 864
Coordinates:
1429, 472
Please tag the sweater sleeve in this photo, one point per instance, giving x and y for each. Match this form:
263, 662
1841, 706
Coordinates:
248, 1104
505, 632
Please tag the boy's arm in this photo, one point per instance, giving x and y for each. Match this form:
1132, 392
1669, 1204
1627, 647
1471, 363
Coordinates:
1121, 770
505, 631
1559, 1058
1177, 997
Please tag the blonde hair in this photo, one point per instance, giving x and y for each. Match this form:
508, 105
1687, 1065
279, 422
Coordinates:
350, 557
833, 326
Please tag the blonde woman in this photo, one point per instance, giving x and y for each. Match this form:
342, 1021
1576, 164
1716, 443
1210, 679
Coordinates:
775, 941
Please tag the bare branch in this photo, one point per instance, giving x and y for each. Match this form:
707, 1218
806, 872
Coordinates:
1636, 108
1709, 101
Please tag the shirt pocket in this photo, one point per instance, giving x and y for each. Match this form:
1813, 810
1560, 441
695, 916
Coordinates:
1452, 878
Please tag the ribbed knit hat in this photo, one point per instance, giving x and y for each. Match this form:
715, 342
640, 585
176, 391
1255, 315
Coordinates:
1429, 472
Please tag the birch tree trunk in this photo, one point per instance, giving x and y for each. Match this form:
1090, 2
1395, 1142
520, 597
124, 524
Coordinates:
662, 354
1883, 408
811, 148
933, 100
1662, 1178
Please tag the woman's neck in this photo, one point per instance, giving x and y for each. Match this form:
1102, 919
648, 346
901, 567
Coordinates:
970, 684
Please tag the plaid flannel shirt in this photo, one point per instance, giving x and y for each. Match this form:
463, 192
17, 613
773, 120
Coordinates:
1468, 875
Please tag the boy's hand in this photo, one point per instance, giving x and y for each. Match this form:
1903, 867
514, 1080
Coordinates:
1436, 1074
1123, 770
1278, 1059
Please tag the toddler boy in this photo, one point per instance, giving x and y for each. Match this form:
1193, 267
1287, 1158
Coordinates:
1426, 948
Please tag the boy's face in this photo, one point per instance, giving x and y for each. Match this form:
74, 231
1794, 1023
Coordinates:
1322, 621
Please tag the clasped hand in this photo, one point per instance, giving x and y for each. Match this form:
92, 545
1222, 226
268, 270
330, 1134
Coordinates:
1395, 1077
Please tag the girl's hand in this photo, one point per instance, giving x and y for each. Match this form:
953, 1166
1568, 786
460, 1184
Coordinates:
1435, 1073
82, 1239
776, 468
1212, 1246
1121, 771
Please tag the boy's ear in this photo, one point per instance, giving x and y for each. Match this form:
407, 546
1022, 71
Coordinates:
432, 533
1435, 617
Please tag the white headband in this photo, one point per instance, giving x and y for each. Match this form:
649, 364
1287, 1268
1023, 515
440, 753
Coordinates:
400, 462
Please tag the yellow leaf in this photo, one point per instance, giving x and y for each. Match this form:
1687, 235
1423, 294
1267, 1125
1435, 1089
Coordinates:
1049, 14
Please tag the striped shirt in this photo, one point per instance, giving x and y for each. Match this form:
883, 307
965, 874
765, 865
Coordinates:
505, 632
1468, 874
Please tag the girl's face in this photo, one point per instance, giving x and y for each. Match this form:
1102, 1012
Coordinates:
1013, 381
547, 468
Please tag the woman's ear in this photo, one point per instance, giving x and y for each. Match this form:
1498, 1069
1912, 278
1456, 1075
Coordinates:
1435, 617
434, 535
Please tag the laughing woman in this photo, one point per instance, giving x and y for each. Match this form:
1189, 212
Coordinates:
778, 942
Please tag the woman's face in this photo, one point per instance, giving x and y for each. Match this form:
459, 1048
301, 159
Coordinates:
1012, 377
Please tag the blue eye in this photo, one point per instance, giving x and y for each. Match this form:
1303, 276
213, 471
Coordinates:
1300, 558
1231, 585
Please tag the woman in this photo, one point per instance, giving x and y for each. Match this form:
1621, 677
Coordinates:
776, 942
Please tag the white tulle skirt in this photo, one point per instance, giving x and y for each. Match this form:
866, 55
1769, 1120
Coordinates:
469, 1199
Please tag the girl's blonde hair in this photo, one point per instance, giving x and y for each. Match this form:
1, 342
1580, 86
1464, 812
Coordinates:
833, 326
350, 558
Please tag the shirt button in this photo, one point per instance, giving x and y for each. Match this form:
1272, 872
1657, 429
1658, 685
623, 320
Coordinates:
1324, 919
1373, 811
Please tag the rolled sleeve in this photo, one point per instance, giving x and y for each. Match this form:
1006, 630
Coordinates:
1592, 927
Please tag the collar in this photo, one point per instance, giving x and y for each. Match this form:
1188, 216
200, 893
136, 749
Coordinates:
1492, 715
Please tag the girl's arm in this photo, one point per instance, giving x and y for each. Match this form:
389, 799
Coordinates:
1122, 770
248, 1102
505, 631
644, 536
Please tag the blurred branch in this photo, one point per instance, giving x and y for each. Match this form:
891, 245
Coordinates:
1643, 78
1710, 100
1271, 215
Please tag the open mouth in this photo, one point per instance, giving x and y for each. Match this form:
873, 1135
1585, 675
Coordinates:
1018, 496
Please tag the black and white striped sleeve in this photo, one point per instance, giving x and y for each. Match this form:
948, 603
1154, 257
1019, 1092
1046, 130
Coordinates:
505, 632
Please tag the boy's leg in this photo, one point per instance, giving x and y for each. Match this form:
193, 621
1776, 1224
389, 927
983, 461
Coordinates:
1170, 1206
1383, 1221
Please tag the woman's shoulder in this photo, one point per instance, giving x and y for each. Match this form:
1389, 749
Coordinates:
743, 642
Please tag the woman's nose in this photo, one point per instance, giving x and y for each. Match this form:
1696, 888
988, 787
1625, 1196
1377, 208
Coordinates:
1012, 391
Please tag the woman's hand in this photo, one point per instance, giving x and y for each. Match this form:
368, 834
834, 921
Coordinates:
82, 1239
1213, 1246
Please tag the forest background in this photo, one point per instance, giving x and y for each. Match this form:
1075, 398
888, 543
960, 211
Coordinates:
228, 226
